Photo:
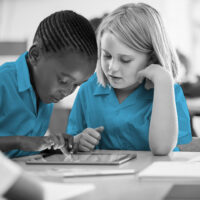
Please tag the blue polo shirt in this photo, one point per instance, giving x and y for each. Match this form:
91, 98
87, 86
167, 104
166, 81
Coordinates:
126, 125
18, 107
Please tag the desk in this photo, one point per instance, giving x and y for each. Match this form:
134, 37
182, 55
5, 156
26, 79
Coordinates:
123, 186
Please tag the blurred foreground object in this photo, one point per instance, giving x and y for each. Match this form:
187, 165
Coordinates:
15, 185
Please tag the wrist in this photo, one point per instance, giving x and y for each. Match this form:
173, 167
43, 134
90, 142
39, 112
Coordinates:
77, 142
166, 80
76, 139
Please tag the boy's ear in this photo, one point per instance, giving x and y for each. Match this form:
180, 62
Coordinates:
34, 54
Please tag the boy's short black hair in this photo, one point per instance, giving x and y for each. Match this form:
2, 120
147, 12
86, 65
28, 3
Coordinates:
67, 29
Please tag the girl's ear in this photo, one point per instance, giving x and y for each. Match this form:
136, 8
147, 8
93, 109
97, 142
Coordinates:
34, 54
153, 58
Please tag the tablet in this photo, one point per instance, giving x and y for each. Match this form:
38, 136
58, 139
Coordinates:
82, 159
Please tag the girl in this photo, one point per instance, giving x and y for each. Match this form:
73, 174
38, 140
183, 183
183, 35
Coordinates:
132, 101
62, 56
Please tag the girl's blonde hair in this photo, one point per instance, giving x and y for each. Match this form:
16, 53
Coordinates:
140, 27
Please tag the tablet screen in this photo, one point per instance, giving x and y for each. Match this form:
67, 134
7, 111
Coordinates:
90, 158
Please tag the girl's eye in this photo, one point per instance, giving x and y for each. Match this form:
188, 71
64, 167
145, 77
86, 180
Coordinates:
107, 56
125, 60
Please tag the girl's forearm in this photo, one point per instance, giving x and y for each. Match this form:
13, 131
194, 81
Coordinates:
163, 129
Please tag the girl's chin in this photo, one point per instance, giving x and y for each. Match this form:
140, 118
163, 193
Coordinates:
125, 87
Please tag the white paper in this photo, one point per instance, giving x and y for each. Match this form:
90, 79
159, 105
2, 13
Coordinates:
169, 169
195, 159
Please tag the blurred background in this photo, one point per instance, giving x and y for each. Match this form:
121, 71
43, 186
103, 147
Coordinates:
19, 20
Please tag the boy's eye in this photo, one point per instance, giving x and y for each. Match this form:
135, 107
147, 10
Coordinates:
62, 81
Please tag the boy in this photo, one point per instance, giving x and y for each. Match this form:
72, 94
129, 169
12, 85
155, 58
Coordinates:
63, 55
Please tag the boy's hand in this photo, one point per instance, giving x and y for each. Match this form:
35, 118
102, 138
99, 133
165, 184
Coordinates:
154, 74
56, 141
62, 141
88, 139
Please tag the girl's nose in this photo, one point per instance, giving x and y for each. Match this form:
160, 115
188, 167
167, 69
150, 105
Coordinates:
113, 66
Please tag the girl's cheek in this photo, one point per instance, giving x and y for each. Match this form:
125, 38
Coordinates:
104, 65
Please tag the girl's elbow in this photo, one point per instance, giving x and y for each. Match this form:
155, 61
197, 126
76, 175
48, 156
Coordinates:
161, 151
162, 146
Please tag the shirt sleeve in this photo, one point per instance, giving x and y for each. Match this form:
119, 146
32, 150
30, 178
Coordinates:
1, 91
76, 121
9, 173
184, 134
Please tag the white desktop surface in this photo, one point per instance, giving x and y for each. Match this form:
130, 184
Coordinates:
117, 187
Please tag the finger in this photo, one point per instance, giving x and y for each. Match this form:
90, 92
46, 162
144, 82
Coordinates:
64, 151
83, 148
95, 134
61, 140
75, 148
140, 76
56, 142
99, 129
45, 146
148, 84
48, 140
92, 139
69, 141
86, 144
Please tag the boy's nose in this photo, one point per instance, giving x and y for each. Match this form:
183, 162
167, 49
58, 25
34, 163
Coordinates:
67, 91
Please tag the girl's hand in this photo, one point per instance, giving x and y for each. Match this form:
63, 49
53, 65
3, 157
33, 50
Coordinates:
154, 74
88, 139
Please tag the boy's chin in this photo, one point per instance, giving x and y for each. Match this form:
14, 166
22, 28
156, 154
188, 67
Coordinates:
48, 101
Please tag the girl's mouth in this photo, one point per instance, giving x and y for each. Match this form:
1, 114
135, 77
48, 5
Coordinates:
115, 78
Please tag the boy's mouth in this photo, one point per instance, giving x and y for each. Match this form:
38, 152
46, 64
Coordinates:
56, 99
53, 100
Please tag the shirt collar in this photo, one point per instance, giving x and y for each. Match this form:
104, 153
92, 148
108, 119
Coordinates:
100, 90
23, 78
140, 92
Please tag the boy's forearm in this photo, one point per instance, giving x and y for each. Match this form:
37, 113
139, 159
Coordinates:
8, 143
